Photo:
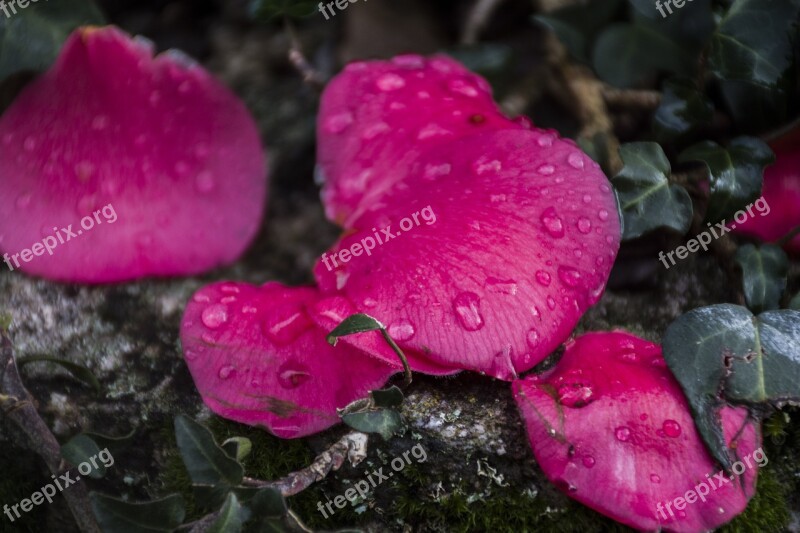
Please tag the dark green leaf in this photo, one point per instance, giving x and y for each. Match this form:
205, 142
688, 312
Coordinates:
237, 447
113, 444
578, 26
683, 108
765, 270
31, 39
725, 349
81, 449
736, 173
391, 397
269, 503
756, 108
690, 25
386, 422
647, 200
625, 55
357, 323
270, 9
210, 497
230, 518
205, 461
118, 516
753, 42
77, 371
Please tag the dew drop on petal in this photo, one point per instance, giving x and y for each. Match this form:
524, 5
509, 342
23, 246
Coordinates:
226, 372
543, 278
214, 316
584, 225
588, 461
569, 276
291, 375
575, 160
390, 82
402, 330
467, 308
339, 122
655, 478
622, 433
552, 223
546, 170
671, 429
602, 214
434, 171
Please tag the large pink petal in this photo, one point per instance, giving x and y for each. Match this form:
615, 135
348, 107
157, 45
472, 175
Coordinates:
611, 427
377, 117
525, 234
257, 358
175, 154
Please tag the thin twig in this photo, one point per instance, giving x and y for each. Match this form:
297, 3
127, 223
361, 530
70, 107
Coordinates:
631, 98
352, 447
478, 18
298, 60
17, 404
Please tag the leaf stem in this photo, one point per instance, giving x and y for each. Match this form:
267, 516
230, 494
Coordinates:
400, 354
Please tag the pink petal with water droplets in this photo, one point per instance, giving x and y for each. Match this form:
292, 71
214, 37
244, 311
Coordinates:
173, 151
256, 357
611, 427
499, 261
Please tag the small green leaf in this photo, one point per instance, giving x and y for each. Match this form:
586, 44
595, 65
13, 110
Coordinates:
736, 173
230, 518
269, 503
627, 54
358, 323
81, 449
237, 447
31, 39
5, 322
391, 397
386, 422
753, 42
647, 200
77, 371
119, 516
683, 109
270, 9
765, 270
205, 461
725, 349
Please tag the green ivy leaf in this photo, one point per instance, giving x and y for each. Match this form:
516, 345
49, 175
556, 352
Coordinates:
765, 270
753, 42
386, 422
113, 444
77, 371
627, 54
736, 173
237, 447
269, 503
683, 109
647, 200
206, 462
31, 39
80, 449
270, 9
231, 517
358, 323
577, 26
725, 349
388, 398
158, 516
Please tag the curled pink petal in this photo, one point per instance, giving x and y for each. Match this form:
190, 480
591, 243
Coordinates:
611, 427
517, 242
257, 358
377, 117
175, 155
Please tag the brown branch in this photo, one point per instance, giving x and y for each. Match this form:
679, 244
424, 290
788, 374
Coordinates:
18, 405
479, 15
352, 447
630, 98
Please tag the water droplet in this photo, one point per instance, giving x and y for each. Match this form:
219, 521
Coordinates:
434, 171
546, 170
201, 298
587, 198
532, 338
249, 310
204, 182
369, 302
467, 308
228, 300
100, 122
575, 160
622, 433
497, 198
338, 123
655, 478
671, 429
552, 223
374, 130
584, 225
226, 372
292, 374
285, 325
463, 87
545, 140
602, 214
569, 276
432, 130
402, 330
551, 303
543, 278
485, 166
501, 286
588, 461
390, 82
190, 355
214, 316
